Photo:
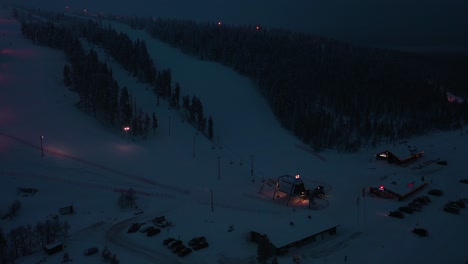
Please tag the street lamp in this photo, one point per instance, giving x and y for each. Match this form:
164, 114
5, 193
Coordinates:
219, 168
126, 129
193, 146
42, 148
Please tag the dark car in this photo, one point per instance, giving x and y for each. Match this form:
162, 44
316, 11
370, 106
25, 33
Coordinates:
436, 192
91, 251
415, 206
451, 209
420, 232
396, 214
464, 181
426, 198
200, 245
145, 228
184, 252
196, 240
406, 209
175, 244
178, 248
460, 203
169, 240
134, 227
420, 200
153, 231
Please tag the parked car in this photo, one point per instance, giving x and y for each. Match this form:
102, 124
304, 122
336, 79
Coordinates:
168, 241
406, 209
134, 227
396, 214
451, 209
184, 252
436, 192
464, 181
153, 231
91, 251
420, 200
426, 198
196, 240
145, 228
460, 203
420, 232
178, 248
200, 245
454, 204
415, 206
174, 244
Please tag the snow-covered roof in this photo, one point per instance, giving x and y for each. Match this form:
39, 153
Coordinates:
281, 232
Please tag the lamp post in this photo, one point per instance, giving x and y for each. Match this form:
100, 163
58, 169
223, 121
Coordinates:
126, 129
169, 127
219, 168
252, 169
212, 208
193, 146
42, 147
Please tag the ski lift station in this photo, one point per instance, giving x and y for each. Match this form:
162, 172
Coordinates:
291, 188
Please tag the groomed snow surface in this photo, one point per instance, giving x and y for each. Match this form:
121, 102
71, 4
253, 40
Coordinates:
86, 164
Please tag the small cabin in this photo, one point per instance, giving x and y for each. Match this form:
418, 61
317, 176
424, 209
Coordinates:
53, 248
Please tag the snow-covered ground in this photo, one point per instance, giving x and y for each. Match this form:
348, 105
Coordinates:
85, 164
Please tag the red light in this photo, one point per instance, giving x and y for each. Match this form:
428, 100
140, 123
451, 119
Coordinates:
257, 28
219, 23
381, 187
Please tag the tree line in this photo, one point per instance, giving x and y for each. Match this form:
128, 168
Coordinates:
134, 56
99, 93
330, 93
25, 240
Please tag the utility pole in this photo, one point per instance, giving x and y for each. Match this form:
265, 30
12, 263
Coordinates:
219, 168
193, 146
212, 208
42, 148
251, 169
169, 125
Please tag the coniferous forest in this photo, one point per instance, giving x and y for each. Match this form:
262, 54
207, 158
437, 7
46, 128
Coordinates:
330, 94
99, 93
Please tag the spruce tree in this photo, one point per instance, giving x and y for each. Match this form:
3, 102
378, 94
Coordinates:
125, 107
67, 75
210, 128
155, 123
146, 126
265, 250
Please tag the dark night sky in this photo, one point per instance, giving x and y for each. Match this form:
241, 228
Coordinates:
439, 24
